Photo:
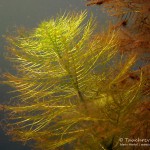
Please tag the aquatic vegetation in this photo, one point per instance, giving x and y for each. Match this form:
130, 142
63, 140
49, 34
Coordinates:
68, 86
132, 19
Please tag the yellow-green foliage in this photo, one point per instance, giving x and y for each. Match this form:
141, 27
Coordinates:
68, 86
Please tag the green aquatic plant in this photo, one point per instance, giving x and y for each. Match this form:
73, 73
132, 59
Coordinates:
68, 86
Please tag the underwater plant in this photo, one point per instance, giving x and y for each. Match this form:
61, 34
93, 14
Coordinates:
132, 19
69, 90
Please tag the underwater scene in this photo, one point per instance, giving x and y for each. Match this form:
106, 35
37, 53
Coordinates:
75, 75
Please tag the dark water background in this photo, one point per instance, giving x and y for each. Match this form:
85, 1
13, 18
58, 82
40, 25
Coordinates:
29, 13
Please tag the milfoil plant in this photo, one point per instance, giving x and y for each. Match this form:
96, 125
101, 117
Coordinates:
69, 84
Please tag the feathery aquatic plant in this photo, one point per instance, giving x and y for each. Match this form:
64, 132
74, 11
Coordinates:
132, 22
67, 87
